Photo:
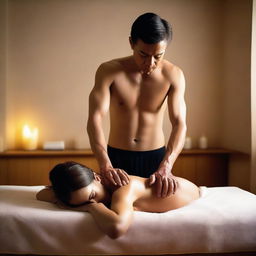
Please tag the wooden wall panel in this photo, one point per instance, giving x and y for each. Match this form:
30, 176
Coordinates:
185, 167
39, 169
18, 172
203, 167
211, 170
3, 171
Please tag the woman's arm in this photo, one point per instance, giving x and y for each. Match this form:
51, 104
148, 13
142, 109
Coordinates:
113, 222
46, 195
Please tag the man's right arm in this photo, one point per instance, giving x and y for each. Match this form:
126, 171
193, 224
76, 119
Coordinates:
99, 102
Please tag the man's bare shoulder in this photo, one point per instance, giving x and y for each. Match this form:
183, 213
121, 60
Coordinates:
171, 69
114, 65
173, 73
108, 71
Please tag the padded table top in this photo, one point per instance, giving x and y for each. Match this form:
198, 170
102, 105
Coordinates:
223, 219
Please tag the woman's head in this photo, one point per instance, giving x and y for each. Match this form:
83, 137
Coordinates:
76, 184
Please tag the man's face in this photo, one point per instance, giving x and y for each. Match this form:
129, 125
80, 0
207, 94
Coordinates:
148, 56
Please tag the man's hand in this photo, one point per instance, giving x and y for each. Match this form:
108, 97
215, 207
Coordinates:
165, 182
115, 176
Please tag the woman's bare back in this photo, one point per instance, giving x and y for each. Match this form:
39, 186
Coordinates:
148, 201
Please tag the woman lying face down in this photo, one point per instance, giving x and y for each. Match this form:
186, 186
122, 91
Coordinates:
79, 188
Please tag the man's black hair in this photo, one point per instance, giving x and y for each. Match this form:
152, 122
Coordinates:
151, 29
68, 177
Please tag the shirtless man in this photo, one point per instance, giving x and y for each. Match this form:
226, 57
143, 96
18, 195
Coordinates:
79, 188
136, 90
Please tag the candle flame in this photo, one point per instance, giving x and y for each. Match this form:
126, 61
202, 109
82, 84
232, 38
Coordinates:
30, 137
28, 133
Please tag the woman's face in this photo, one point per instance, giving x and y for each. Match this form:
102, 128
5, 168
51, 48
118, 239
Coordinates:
94, 192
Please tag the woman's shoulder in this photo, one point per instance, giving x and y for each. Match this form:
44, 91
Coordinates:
132, 190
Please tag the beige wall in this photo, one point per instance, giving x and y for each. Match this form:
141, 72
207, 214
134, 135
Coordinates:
236, 80
55, 47
3, 62
236, 88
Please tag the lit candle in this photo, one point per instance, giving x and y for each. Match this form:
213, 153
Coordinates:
30, 138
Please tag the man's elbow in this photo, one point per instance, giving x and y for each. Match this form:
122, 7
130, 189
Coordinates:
94, 121
91, 126
179, 125
183, 129
184, 126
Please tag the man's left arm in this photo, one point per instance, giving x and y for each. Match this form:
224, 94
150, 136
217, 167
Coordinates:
163, 177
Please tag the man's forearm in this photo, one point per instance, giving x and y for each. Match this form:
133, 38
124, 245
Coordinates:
99, 147
98, 144
174, 146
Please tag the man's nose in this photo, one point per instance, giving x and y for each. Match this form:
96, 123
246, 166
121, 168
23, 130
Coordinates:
150, 61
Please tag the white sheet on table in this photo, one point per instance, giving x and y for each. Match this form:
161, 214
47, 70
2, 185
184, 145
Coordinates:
222, 220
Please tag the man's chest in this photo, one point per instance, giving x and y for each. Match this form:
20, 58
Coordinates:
144, 94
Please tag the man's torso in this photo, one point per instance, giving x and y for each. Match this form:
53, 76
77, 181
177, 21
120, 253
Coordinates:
137, 106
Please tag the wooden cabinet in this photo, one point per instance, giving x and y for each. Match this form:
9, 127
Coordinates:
203, 167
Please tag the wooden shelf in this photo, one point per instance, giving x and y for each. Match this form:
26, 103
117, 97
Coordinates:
37, 153
214, 151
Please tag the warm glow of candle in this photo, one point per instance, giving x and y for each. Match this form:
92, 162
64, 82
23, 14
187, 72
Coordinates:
29, 138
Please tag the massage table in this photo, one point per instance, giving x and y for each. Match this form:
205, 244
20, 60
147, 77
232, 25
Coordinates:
222, 220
